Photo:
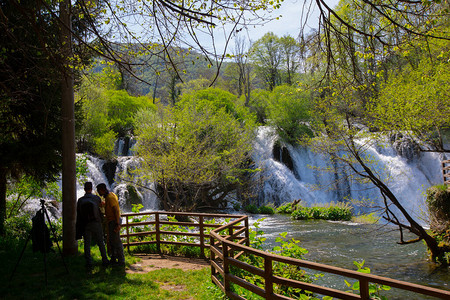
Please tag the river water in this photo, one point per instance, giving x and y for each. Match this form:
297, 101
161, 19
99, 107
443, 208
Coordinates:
340, 243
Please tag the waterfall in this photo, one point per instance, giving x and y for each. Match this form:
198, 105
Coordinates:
410, 175
121, 181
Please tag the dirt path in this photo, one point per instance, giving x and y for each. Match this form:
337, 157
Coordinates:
150, 262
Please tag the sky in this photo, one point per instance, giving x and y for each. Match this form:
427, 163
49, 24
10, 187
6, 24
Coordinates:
289, 22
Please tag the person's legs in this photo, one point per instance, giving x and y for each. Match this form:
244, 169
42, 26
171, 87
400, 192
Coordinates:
115, 244
87, 246
97, 235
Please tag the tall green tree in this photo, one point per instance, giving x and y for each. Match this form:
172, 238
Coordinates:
197, 152
267, 57
291, 55
89, 24
30, 109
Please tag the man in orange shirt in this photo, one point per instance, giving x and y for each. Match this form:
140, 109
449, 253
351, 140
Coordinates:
112, 213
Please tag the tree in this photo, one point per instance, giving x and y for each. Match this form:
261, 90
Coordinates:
30, 133
197, 152
289, 113
107, 111
88, 25
266, 56
414, 102
378, 26
241, 58
291, 53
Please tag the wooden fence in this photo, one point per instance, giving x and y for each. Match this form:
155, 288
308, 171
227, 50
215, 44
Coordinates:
158, 227
446, 171
229, 243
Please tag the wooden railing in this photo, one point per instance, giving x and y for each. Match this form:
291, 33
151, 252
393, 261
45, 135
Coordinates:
446, 171
229, 243
226, 253
153, 227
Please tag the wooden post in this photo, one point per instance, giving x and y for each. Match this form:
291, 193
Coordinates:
364, 289
202, 237
158, 239
230, 233
128, 234
268, 277
247, 233
212, 255
226, 268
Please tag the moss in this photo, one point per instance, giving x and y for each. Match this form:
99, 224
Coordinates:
438, 201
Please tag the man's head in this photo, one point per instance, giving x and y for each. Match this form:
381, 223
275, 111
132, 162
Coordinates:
88, 187
102, 190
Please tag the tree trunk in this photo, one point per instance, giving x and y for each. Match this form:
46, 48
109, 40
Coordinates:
70, 245
3, 173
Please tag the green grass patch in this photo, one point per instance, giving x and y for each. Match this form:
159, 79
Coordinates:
99, 283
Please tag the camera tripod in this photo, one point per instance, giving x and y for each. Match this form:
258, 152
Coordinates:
45, 248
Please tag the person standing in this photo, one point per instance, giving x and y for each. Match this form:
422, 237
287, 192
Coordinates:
89, 224
112, 214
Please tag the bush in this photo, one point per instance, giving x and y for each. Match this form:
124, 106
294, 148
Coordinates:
251, 208
334, 212
286, 208
266, 210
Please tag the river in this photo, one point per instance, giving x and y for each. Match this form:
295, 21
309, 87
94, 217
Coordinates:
340, 243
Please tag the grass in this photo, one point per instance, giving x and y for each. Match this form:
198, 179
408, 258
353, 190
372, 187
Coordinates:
28, 281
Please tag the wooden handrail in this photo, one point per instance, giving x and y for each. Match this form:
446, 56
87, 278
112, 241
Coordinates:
222, 256
229, 246
158, 232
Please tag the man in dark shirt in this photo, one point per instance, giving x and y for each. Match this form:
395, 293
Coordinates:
89, 224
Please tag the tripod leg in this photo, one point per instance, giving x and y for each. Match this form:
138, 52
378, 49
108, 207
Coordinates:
20, 257
56, 240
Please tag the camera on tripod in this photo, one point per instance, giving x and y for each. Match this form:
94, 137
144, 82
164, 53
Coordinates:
40, 235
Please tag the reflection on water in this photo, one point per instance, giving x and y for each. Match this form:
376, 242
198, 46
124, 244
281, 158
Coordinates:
340, 243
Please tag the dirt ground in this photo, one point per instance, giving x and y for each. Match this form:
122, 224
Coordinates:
150, 262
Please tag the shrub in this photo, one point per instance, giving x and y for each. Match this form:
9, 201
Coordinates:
266, 210
251, 208
334, 212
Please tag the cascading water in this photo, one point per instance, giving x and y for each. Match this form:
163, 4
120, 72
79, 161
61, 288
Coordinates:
410, 176
121, 182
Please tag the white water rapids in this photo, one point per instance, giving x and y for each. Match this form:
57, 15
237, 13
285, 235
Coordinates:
409, 176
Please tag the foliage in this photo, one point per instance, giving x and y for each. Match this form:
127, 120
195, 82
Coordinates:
30, 106
82, 167
107, 111
104, 144
266, 56
371, 218
334, 212
287, 208
374, 289
266, 210
197, 152
419, 95
259, 104
438, 202
251, 208
286, 247
289, 113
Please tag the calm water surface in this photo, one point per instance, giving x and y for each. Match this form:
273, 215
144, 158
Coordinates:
340, 243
